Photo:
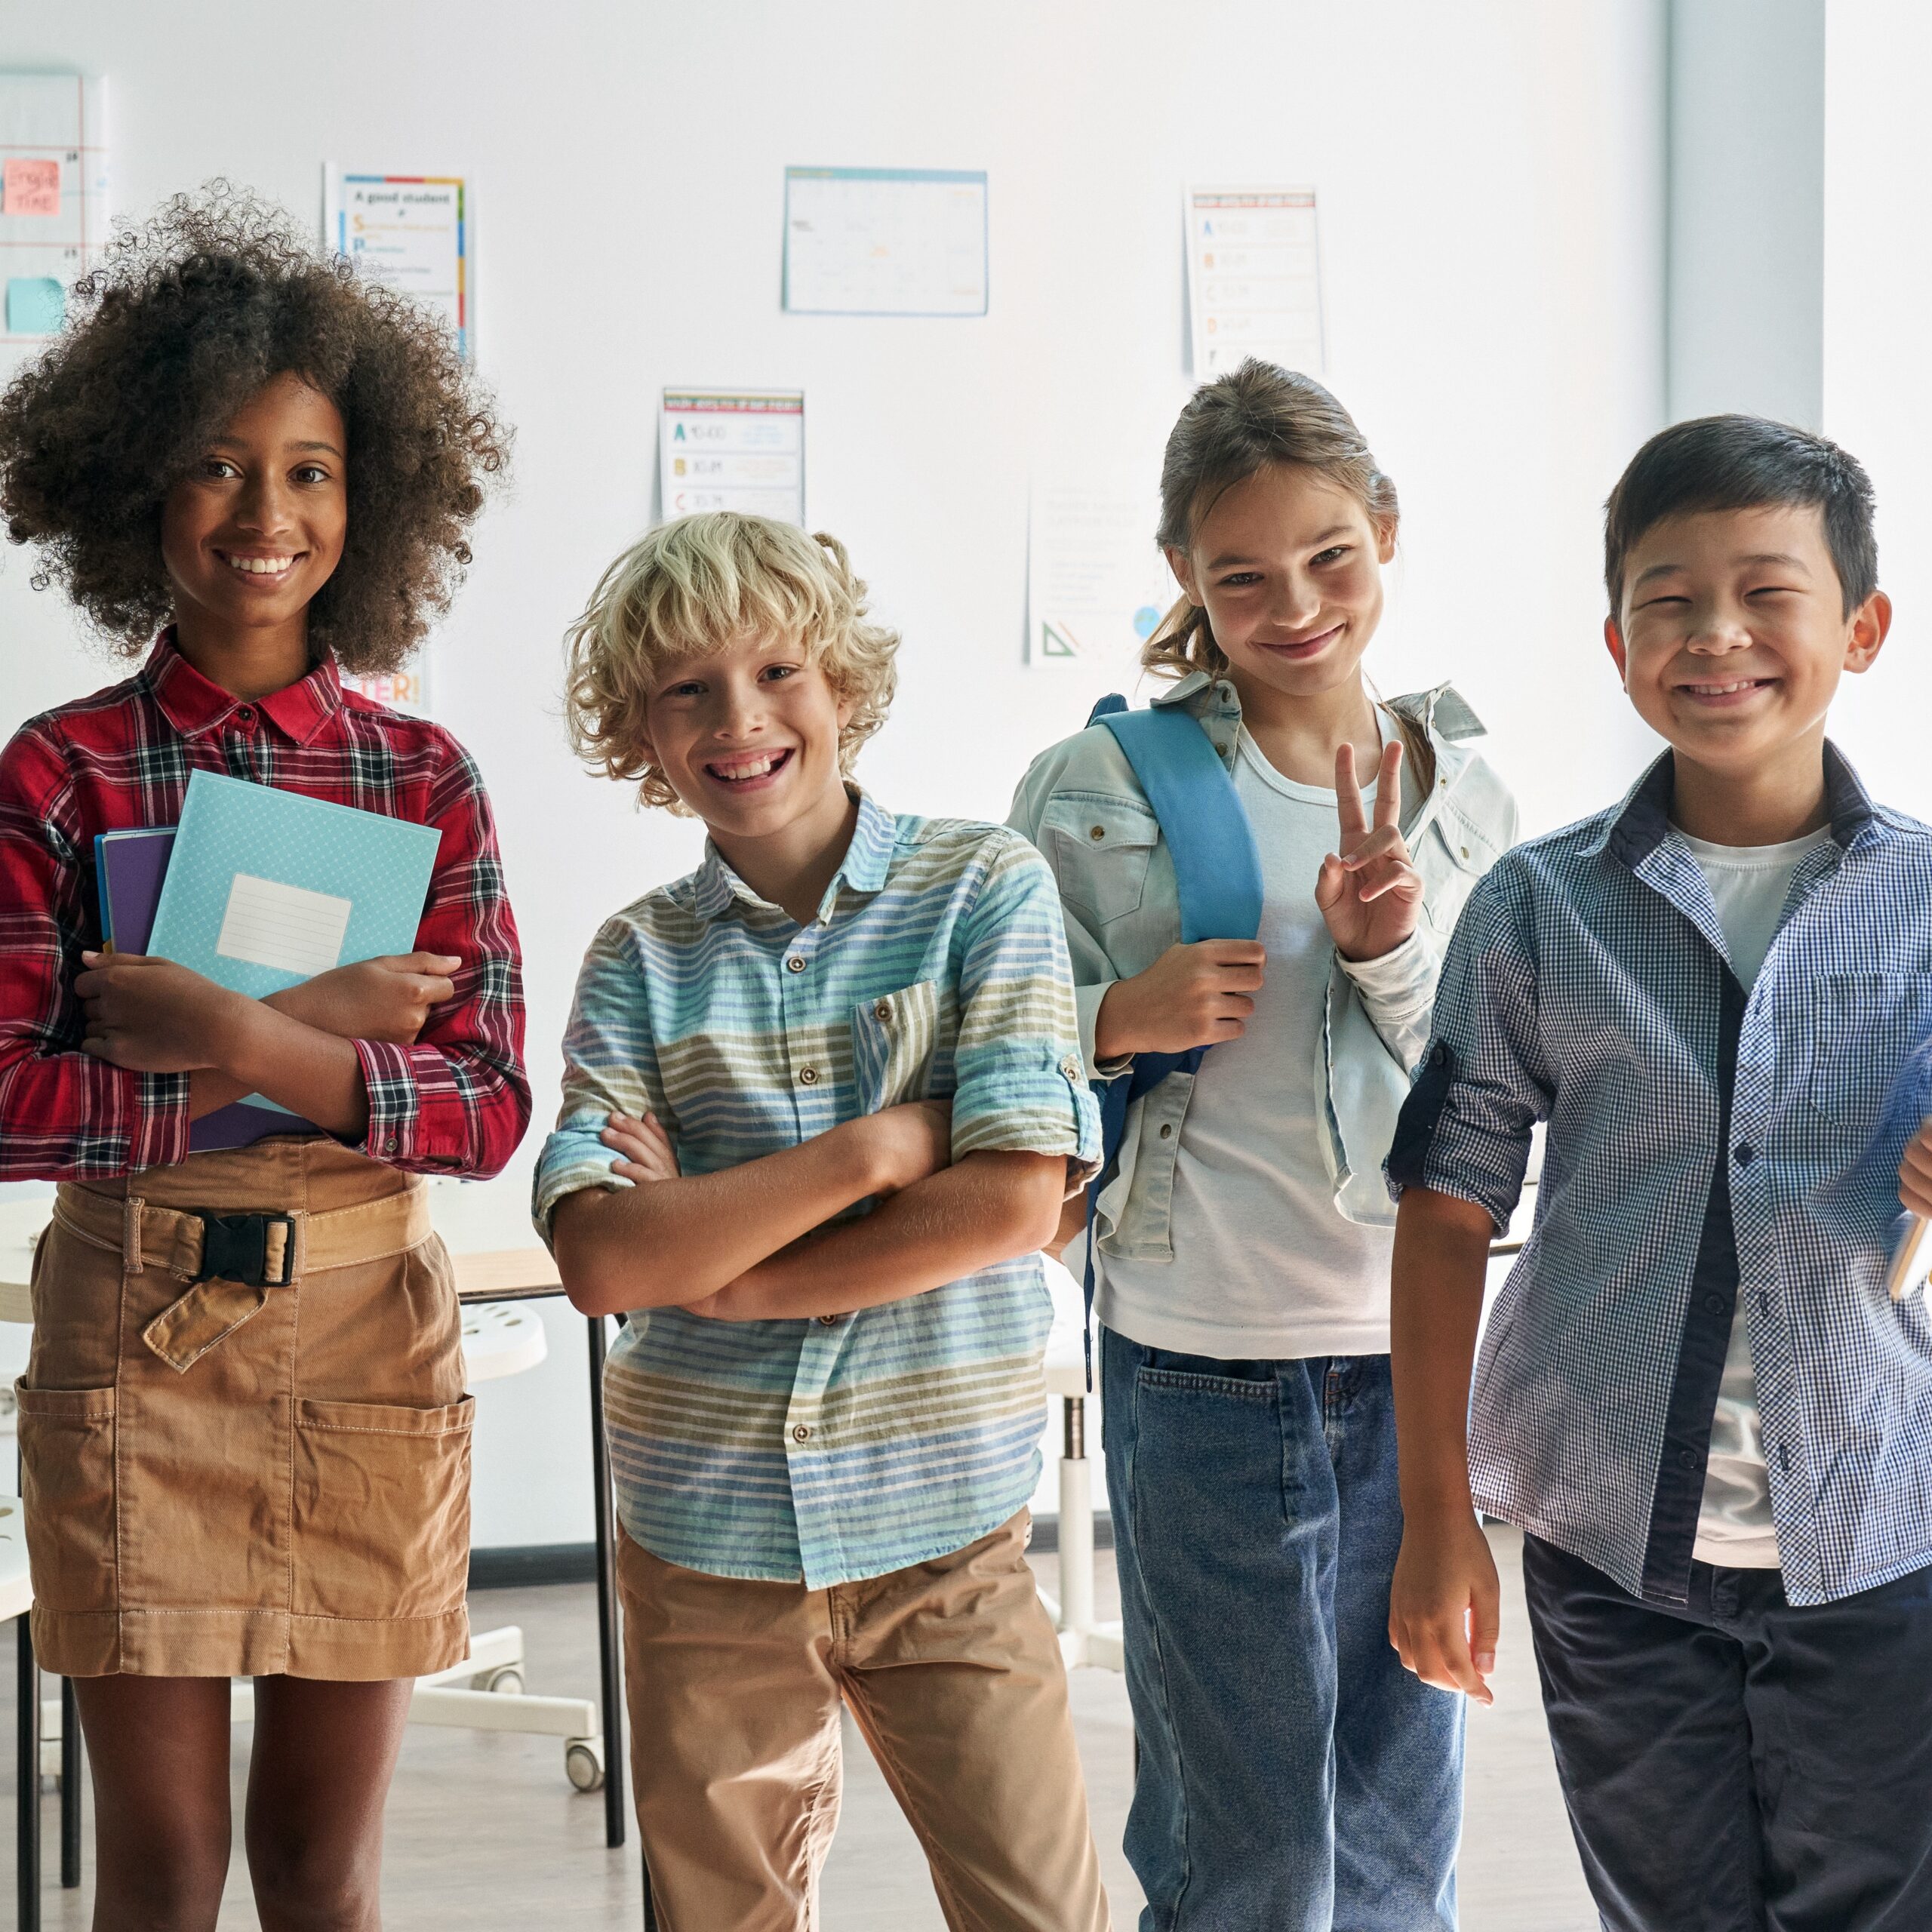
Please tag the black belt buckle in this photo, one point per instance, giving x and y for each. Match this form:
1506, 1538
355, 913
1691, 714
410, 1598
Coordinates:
235, 1248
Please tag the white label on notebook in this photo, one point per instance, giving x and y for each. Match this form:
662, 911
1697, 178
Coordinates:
286, 927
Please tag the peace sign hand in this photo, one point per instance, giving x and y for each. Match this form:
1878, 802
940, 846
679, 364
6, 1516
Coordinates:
1369, 892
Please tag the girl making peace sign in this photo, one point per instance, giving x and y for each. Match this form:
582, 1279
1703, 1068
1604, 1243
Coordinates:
1292, 1775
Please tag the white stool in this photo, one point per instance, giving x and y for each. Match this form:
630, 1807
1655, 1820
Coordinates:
1082, 1640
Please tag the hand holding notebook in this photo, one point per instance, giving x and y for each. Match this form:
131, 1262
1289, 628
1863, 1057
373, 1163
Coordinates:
265, 893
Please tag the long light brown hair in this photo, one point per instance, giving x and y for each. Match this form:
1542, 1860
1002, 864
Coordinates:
1232, 428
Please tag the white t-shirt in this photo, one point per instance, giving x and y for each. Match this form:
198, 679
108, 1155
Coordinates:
1265, 1265
1750, 884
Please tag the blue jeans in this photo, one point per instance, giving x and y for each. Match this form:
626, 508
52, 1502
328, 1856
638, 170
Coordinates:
1293, 1777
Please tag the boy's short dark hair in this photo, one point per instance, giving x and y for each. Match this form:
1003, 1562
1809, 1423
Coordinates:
1743, 463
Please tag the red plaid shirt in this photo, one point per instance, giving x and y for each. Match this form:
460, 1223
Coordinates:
456, 1102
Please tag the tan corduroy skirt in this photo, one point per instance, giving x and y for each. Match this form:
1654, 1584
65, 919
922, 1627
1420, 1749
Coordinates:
227, 1480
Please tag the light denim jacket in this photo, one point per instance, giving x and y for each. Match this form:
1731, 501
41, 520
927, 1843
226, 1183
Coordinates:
1081, 805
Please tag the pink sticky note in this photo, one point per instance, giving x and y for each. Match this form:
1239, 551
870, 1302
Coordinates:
32, 187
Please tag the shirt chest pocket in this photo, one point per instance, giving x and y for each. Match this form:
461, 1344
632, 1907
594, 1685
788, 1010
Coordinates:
1100, 849
1451, 858
895, 1042
1864, 1027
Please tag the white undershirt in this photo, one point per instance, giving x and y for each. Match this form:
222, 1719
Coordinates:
1750, 884
1265, 1265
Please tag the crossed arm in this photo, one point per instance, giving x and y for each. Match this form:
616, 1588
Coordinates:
749, 1243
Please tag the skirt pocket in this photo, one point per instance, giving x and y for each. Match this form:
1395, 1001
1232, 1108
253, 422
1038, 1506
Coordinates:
67, 1495
381, 1509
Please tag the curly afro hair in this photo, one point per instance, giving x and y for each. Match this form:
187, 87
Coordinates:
190, 316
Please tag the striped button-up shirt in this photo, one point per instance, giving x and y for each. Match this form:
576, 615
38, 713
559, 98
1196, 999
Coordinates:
1704, 1144
937, 968
454, 1101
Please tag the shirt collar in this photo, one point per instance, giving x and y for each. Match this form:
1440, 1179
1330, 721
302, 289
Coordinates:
1640, 825
194, 704
867, 860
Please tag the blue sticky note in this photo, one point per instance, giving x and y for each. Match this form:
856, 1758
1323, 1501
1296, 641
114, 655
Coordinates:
36, 304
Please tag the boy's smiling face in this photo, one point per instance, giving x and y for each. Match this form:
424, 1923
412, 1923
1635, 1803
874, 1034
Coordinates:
748, 738
1733, 634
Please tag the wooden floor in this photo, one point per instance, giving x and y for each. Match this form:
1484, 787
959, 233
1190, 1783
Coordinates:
485, 1833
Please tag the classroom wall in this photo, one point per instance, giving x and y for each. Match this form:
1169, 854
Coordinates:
1877, 385
1492, 234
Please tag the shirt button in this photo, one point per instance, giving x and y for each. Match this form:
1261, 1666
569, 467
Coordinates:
795, 965
1687, 1458
247, 714
389, 1144
1072, 1068
828, 1321
1715, 1303
1744, 1153
808, 1076
1096, 831
882, 1012
1166, 1129
801, 1434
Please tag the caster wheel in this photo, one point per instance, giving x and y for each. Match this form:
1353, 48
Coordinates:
583, 1761
507, 1682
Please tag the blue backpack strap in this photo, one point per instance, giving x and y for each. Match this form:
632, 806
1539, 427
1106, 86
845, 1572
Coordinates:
1217, 876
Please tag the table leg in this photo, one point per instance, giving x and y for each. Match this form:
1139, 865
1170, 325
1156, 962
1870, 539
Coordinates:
609, 1653
26, 1853
70, 1787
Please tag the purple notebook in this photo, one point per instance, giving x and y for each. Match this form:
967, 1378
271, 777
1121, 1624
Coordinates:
129, 867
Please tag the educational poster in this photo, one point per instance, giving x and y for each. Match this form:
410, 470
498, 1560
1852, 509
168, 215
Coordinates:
733, 450
53, 219
406, 690
1096, 585
1253, 279
412, 233
885, 241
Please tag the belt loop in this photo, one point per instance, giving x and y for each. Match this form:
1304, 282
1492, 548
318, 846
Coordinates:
298, 1261
130, 1233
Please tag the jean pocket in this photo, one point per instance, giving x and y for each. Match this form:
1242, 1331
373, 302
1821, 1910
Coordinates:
382, 1508
67, 1495
1188, 1381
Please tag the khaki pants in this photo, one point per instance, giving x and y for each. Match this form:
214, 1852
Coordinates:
951, 1670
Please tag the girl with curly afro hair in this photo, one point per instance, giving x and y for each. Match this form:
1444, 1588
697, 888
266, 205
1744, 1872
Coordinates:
244, 1438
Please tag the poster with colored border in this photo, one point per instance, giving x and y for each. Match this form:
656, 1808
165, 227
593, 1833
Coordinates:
53, 213
1253, 279
732, 450
414, 233
885, 241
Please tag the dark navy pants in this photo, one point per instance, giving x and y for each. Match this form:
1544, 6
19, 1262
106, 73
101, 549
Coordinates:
1734, 1764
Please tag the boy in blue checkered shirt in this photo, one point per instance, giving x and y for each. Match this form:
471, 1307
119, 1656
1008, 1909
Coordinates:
1695, 1395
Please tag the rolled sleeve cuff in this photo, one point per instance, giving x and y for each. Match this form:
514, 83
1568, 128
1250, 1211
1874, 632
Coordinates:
573, 1159
1087, 1000
162, 1126
1437, 1148
1031, 1105
420, 1118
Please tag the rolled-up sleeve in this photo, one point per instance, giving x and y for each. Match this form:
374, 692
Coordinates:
1021, 1076
610, 1066
1485, 1081
457, 1099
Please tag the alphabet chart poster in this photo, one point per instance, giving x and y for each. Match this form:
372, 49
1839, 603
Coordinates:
54, 220
413, 233
732, 450
1254, 278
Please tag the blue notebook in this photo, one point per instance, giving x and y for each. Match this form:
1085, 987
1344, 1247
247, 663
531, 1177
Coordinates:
266, 889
